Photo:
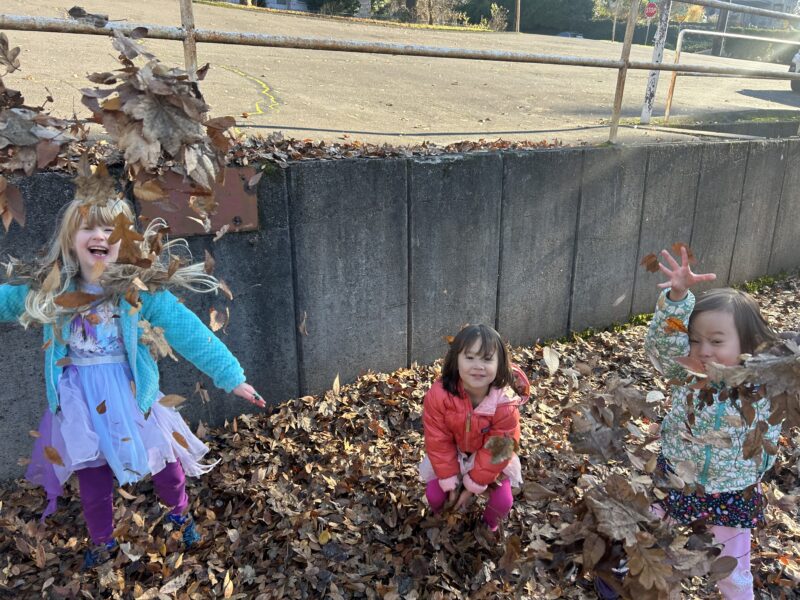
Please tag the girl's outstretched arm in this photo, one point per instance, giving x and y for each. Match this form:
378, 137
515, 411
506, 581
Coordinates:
668, 335
680, 276
12, 301
190, 337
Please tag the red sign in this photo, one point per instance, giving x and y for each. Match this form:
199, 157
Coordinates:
651, 10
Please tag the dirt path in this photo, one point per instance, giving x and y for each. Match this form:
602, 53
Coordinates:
328, 95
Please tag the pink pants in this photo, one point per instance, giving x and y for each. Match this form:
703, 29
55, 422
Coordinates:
735, 542
497, 507
97, 496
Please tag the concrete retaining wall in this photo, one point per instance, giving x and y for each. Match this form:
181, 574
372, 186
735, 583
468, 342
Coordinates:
381, 259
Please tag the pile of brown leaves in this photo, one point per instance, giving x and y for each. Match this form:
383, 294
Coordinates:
157, 118
30, 139
278, 150
320, 498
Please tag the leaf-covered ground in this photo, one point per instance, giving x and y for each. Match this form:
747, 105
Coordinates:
320, 499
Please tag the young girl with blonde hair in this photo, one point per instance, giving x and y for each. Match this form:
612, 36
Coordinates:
104, 419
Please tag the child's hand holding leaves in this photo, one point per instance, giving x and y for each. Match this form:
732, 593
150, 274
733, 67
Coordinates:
681, 277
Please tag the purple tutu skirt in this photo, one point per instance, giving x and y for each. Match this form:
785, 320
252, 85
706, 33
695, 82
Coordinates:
99, 422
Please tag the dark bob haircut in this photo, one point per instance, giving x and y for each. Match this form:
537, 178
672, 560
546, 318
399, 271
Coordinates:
491, 343
750, 324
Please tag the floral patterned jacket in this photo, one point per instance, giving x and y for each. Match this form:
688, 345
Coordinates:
715, 443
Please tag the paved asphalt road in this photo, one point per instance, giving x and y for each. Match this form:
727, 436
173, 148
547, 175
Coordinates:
376, 98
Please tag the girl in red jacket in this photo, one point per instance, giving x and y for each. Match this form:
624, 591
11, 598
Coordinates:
473, 402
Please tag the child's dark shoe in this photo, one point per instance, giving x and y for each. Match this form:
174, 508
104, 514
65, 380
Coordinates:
191, 537
98, 554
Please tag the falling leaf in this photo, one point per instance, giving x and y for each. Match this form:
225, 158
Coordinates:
171, 400
619, 300
551, 359
208, 264
674, 325
650, 262
129, 250
225, 289
221, 232
101, 408
335, 386
34, 434
180, 439
302, 328
64, 362
217, 319
148, 191
676, 249
47, 344
52, 455
53, 280
75, 299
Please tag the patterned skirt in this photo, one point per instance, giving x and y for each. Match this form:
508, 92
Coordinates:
729, 509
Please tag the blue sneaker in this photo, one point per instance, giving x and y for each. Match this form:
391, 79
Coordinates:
99, 554
186, 523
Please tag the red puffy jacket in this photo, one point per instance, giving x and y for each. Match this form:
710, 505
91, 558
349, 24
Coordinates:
451, 423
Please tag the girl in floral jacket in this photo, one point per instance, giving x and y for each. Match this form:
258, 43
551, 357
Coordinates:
717, 327
471, 426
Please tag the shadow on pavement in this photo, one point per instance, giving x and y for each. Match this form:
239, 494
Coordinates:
786, 97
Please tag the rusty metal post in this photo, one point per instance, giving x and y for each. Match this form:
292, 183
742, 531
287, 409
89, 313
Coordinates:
623, 70
190, 41
674, 79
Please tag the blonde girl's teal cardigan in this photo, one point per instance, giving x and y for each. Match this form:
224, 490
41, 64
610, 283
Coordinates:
183, 330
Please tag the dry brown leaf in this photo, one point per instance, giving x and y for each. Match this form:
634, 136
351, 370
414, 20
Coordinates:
172, 400
75, 299
52, 455
180, 439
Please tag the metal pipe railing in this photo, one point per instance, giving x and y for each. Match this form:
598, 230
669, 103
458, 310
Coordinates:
189, 35
679, 45
46, 24
741, 8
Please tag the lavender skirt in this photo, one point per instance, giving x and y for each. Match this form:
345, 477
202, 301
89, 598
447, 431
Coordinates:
99, 423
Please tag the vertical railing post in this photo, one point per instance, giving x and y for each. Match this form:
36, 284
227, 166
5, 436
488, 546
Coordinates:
673, 80
623, 70
189, 42
659, 41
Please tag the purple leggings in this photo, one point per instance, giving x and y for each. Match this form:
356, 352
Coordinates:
97, 496
497, 507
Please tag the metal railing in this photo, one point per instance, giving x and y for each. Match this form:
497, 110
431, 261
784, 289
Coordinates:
701, 32
189, 35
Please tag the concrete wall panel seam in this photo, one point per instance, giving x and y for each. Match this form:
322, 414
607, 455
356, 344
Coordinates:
738, 219
298, 318
574, 271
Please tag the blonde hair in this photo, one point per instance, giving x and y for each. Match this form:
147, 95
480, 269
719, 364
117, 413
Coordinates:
170, 267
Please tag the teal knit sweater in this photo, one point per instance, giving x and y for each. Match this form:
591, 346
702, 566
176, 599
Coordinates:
184, 331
